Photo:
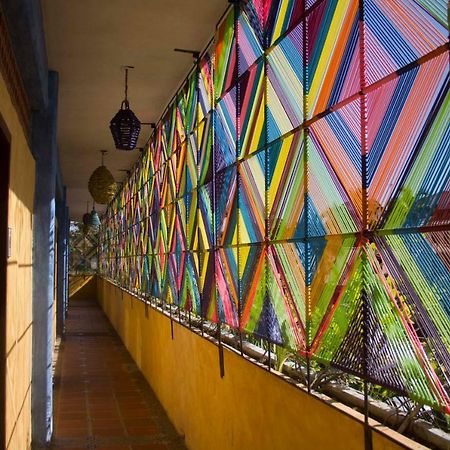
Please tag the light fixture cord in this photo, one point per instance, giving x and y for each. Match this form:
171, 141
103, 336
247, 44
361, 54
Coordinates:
126, 85
103, 152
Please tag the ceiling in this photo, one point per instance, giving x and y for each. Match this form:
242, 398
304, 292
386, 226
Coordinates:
87, 43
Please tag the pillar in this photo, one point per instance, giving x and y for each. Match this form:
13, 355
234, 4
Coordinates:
43, 142
61, 211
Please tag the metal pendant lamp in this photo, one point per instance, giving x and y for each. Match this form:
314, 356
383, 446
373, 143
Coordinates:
86, 229
101, 184
86, 216
125, 126
94, 219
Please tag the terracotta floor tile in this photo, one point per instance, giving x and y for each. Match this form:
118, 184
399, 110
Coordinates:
71, 432
75, 448
102, 415
142, 431
103, 408
108, 447
65, 404
135, 413
72, 423
130, 422
103, 423
150, 447
110, 432
66, 415
101, 399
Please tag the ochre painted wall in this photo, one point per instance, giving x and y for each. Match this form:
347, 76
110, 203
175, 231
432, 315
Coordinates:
82, 287
19, 281
248, 409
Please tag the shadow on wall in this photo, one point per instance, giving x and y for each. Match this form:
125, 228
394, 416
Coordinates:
19, 280
82, 287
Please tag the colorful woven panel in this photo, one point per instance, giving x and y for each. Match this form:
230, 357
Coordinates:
227, 285
205, 85
190, 289
249, 39
333, 54
205, 217
334, 167
252, 199
298, 189
286, 293
251, 122
226, 206
285, 85
408, 147
203, 143
207, 284
225, 130
187, 104
285, 188
225, 55
395, 34
257, 314
254, 13
192, 221
282, 16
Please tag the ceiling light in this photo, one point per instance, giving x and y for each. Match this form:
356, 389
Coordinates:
101, 184
94, 219
125, 126
86, 215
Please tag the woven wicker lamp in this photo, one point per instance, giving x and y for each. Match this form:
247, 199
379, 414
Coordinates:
101, 184
125, 126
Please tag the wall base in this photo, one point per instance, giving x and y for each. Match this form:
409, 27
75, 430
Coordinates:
249, 408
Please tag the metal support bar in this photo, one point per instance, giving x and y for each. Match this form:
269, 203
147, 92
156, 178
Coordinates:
171, 321
195, 53
221, 360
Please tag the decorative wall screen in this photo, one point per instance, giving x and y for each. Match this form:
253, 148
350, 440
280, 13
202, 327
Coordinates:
298, 188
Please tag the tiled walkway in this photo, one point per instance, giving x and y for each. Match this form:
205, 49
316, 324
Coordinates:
101, 399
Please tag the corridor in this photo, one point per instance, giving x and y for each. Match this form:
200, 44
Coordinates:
101, 399
244, 207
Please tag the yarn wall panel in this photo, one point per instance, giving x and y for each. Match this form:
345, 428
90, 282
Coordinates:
297, 189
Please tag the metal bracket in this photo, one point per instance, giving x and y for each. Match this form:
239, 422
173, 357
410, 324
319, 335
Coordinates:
195, 53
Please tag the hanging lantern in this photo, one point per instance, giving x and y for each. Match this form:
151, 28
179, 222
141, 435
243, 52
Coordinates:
86, 229
101, 184
125, 126
86, 216
86, 219
94, 219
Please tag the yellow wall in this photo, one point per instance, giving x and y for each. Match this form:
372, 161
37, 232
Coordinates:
19, 281
248, 409
82, 287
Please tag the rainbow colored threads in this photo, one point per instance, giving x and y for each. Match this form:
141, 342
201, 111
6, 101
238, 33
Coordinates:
297, 188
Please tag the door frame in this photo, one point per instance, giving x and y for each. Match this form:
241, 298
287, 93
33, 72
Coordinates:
5, 159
